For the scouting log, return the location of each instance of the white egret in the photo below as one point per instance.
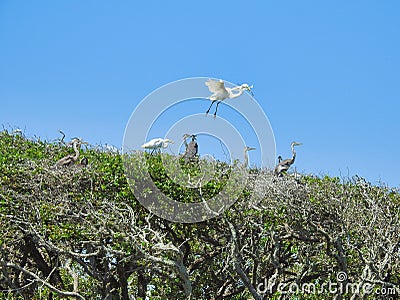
(284, 165)
(157, 144)
(71, 159)
(220, 92)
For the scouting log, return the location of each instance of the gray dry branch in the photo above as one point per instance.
(318, 228)
(80, 233)
(93, 254)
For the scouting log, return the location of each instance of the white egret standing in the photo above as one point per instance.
(157, 144)
(220, 92)
(284, 165)
(246, 156)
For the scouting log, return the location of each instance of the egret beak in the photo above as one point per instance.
(251, 148)
(250, 91)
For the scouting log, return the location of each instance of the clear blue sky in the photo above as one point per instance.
(326, 73)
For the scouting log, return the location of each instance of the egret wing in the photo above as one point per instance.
(215, 86)
(152, 143)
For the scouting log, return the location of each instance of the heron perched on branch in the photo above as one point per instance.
(191, 149)
(246, 155)
(71, 159)
(284, 165)
(220, 92)
(157, 144)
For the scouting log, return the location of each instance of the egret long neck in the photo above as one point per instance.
(238, 94)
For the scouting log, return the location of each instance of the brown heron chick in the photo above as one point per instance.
(71, 159)
(192, 148)
(284, 165)
(84, 162)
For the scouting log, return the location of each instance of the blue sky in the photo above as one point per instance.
(325, 73)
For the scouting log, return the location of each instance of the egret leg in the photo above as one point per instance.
(216, 109)
(208, 110)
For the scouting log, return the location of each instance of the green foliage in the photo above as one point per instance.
(296, 224)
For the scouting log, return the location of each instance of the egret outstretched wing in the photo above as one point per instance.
(157, 143)
(216, 86)
(220, 92)
(154, 143)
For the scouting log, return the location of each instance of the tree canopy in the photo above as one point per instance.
(79, 233)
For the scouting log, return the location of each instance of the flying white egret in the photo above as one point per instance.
(71, 159)
(192, 149)
(284, 165)
(246, 156)
(157, 143)
(220, 92)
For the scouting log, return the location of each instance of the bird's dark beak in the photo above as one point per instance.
(250, 91)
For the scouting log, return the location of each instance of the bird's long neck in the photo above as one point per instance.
(246, 158)
(293, 154)
(185, 143)
(76, 149)
(238, 94)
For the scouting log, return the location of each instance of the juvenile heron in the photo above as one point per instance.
(192, 149)
(284, 165)
(157, 144)
(84, 162)
(246, 155)
(220, 92)
(71, 159)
